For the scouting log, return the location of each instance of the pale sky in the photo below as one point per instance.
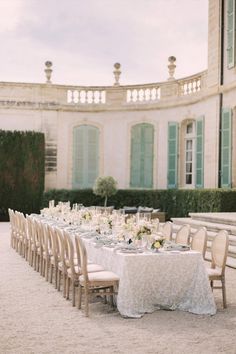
(84, 38)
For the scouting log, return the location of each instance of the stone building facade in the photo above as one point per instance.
(174, 134)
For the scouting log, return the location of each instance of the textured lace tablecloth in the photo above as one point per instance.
(151, 281)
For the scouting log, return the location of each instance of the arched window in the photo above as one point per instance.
(85, 156)
(141, 166)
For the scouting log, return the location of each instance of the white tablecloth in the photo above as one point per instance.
(150, 281)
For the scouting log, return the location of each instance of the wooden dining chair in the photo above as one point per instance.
(74, 269)
(40, 246)
(166, 230)
(219, 251)
(55, 256)
(104, 283)
(199, 241)
(31, 236)
(63, 259)
(12, 219)
(183, 234)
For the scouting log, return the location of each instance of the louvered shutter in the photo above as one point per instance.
(141, 174)
(85, 156)
(230, 33)
(200, 152)
(172, 155)
(226, 148)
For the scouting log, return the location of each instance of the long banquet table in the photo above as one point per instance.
(151, 281)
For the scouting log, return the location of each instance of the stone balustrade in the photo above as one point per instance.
(50, 96)
(192, 84)
(86, 96)
(143, 93)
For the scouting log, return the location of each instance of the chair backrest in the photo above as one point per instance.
(12, 218)
(199, 241)
(61, 244)
(83, 257)
(29, 228)
(54, 243)
(167, 230)
(77, 250)
(45, 237)
(219, 250)
(182, 235)
(23, 225)
(71, 251)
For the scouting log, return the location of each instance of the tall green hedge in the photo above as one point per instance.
(176, 203)
(22, 156)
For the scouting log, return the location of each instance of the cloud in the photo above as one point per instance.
(85, 38)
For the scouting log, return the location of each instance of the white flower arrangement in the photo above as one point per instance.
(158, 242)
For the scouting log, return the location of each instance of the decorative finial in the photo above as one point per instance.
(117, 73)
(171, 67)
(48, 71)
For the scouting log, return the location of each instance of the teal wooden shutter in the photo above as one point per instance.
(135, 156)
(226, 148)
(147, 170)
(141, 174)
(78, 160)
(172, 155)
(85, 156)
(230, 33)
(200, 152)
(93, 155)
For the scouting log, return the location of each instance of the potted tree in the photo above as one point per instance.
(105, 186)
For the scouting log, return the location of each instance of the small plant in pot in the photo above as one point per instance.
(105, 186)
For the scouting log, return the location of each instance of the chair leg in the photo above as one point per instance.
(56, 276)
(79, 296)
(59, 280)
(73, 293)
(86, 301)
(224, 293)
(51, 268)
(46, 269)
(67, 288)
(64, 284)
(111, 297)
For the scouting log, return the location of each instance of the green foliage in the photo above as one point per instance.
(21, 171)
(176, 203)
(105, 187)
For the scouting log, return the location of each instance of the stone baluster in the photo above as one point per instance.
(99, 96)
(199, 84)
(131, 96)
(93, 96)
(72, 96)
(138, 95)
(86, 96)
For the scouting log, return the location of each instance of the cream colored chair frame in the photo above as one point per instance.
(219, 251)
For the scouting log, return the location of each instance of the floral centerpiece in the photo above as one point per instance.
(86, 215)
(141, 231)
(157, 242)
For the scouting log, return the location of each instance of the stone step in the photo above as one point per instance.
(210, 234)
(231, 261)
(218, 218)
(212, 230)
(196, 223)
